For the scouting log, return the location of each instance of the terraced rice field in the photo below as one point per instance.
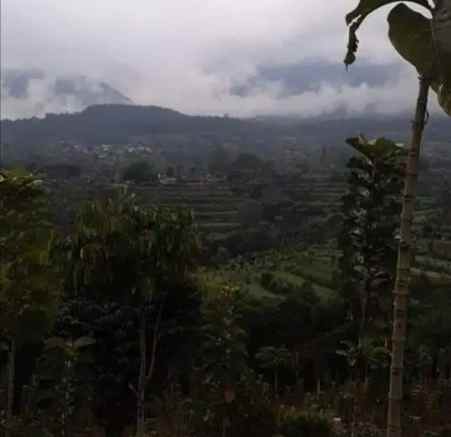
(215, 206)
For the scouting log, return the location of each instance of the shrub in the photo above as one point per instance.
(293, 423)
(139, 172)
(365, 429)
(266, 278)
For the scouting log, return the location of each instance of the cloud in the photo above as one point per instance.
(189, 54)
(311, 75)
(28, 93)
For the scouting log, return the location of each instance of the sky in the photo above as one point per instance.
(190, 55)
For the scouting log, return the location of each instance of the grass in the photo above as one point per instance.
(324, 293)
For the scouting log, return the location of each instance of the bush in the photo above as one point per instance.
(294, 423)
(250, 213)
(139, 172)
(248, 413)
(266, 278)
(365, 429)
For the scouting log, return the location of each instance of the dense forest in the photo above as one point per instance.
(170, 275)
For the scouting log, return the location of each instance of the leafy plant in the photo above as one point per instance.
(423, 42)
(139, 172)
(294, 423)
(29, 283)
(426, 44)
(133, 260)
(275, 359)
(371, 210)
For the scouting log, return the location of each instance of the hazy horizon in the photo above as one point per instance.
(258, 58)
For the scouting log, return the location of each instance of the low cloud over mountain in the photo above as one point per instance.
(27, 93)
(244, 58)
(311, 76)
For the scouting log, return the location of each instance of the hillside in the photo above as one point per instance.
(118, 124)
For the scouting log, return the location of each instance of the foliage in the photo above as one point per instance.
(371, 219)
(249, 412)
(128, 276)
(247, 168)
(28, 281)
(219, 161)
(62, 383)
(294, 423)
(371, 351)
(275, 359)
(421, 41)
(139, 172)
(224, 349)
(130, 245)
(250, 213)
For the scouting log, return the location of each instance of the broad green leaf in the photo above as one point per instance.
(442, 39)
(356, 17)
(366, 7)
(444, 98)
(380, 148)
(412, 37)
(424, 43)
(442, 29)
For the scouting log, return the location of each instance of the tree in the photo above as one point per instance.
(219, 161)
(137, 259)
(170, 172)
(250, 213)
(61, 380)
(28, 281)
(247, 167)
(426, 44)
(370, 225)
(275, 359)
(224, 351)
(139, 172)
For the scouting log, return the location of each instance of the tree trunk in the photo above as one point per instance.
(401, 289)
(141, 391)
(11, 379)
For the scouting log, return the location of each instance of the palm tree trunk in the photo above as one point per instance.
(401, 289)
(11, 378)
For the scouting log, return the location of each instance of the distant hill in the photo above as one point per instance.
(120, 124)
(114, 124)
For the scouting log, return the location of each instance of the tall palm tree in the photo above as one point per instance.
(425, 43)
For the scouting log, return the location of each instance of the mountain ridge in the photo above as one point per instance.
(119, 123)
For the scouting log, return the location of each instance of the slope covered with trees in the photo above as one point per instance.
(216, 277)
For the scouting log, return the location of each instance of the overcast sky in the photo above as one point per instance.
(189, 54)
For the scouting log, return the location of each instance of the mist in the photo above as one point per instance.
(191, 55)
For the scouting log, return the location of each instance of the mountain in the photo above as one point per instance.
(121, 124)
(28, 93)
(114, 124)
